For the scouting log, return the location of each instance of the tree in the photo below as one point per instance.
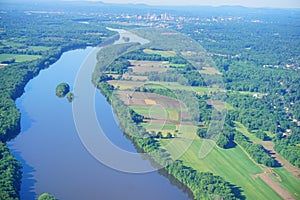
(169, 135)
(201, 132)
(70, 96)
(137, 118)
(261, 135)
(222, 141)
(46, 196)
(159, 134)
(62, 89)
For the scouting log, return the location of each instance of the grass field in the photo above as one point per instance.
(125, 85)
(231, 164)
(38, 48)
(18, 57)
(288, 181)
(150, 111)
(159, 127)
(177, 86)
(168, 113)
(173, 114)
(162, 53)
(240, 127)
(142, 67)
(14, 44)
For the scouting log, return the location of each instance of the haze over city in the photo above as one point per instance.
(253, 3)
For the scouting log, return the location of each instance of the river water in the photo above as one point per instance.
(55, 160)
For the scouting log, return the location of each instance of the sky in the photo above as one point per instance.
(246, 3)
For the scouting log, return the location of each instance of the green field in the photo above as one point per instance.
(162, 53)
(241, 128)
(18, 57)
(231, 164)
(148, 111)
(177, 86)
(159, 127)
(38, 48)
(173, 114)
(14, 44)
(288, 181)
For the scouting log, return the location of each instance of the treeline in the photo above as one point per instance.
(10, 174)
(189, 78)
(205, 185)
(256, 151)
(137, 118)
(141, 55)
(288, 148)
(226, 137)
(119, 66)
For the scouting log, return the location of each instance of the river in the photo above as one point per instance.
(53, 156)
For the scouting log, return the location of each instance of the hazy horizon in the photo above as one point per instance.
(253, 3)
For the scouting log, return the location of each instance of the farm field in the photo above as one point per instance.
(18, 57)
(131, 84)
(288, 181)
(240, 127)
(141, 67)
(232, 164)
(38, 48)
(159, 52)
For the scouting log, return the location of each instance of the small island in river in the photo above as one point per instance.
(62, 90)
